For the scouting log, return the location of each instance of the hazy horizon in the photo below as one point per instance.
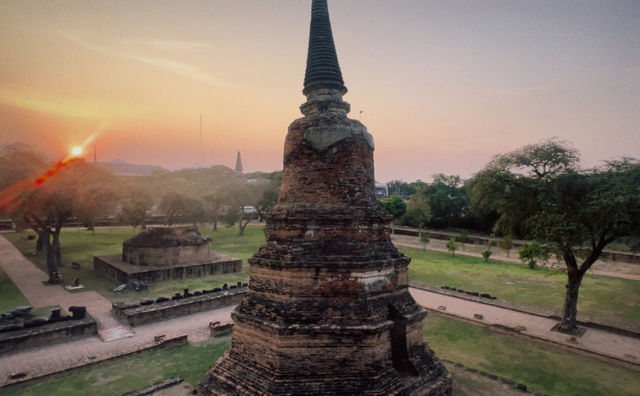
(441, 85)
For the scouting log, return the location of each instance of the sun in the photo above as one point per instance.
(76, 151)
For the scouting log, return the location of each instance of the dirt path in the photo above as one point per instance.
(601, 342)
(29, 279)
(601, 267)
(60, 357)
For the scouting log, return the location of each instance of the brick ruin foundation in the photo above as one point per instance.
(165, 253)
(328, 311)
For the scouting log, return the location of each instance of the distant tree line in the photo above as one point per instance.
(445, 203)
(39, 193)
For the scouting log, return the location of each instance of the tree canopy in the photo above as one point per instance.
(540, 192)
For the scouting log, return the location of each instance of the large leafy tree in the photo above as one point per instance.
(418, 212)
(401, 188)
(447, 200)
(395, 206)
(134, 207)
(45, 199)
(540, 192)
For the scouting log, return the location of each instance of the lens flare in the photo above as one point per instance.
(11, 196)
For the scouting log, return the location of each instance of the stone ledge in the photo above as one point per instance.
(62, 331)
(142, 314)
(114, 268)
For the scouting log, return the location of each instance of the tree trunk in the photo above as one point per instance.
(215, 223)
(55, 245)
(39, 244)
(52, 269)
(242, 226)
(570, 309)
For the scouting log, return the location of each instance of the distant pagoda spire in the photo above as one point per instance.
(239, 163)
(323, 70)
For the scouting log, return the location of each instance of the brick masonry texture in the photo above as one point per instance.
(63, 331)
(328, 310)
(136, 315)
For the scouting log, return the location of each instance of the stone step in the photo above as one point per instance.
(116, 333)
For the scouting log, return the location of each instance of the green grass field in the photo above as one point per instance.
(10, 295)
(542, 368)
(603, 299)
(118, 376)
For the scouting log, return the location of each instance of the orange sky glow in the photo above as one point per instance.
(441, 85)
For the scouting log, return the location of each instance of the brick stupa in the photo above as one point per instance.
(328, 311)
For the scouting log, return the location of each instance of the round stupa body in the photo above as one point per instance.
(328, 310)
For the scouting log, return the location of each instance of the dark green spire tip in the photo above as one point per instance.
(323, 70)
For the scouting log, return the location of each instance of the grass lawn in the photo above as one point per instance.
(605, 299)
(80, 245)
(10, 295)
(542, 368)
(118, 376)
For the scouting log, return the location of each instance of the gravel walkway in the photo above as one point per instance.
(600, 342)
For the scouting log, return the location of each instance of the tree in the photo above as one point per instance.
(424, 238)
(452, 246)
(400, 188)
(45, 202)
(486, 254)
(417, 213)
(540, 193)
(531, 253)
(463, 237)
(98, 198)
(231, 216)
(447, 201)
(395, 206)
(172, 205)
(240, 194)
(506, 244)
(134, 207)
(213, 203)
(268, 196)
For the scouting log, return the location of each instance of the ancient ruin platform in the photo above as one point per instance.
(138, 314)
(115, 268)
(46, 334)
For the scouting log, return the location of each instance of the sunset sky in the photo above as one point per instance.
(442, 85)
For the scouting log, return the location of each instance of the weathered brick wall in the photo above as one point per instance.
(142, 314)
(165, 256)
(109, 267)
(328, 310)
(51, 333)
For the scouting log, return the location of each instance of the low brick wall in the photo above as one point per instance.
(136, 315)
(50, 333)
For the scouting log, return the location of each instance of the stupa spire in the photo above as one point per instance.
(323, 70)
(239, 167)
